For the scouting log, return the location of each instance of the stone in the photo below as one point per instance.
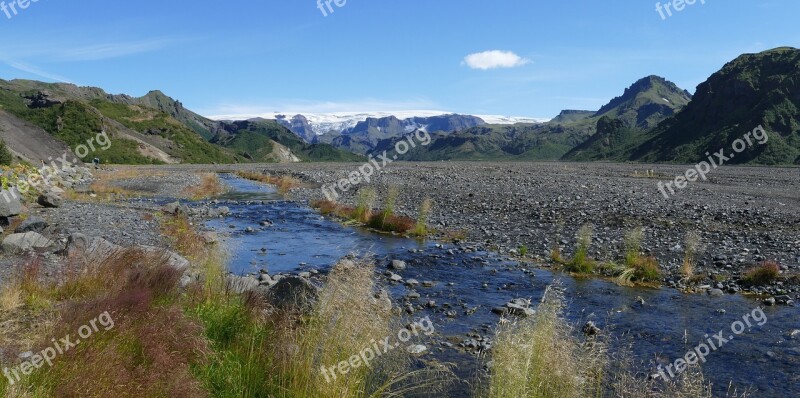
(18, 243)
(32, 224)
(293, 293)
(397, 265)
(10, 203)
(175, 208)
(49, 200)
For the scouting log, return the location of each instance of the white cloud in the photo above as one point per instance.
(494, 59)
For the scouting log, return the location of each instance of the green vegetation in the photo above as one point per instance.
(638, 268)
(581, 263)
(421, 228)
(366, 200)
(5, 156)
(764, 274)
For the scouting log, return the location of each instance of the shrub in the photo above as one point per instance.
(523, 251)
(392, 223)
(691, 242)
(766, 273)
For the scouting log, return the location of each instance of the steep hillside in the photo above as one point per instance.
(138, 133)
(752, 90)
(643, 104)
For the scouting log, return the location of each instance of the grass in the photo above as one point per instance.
(366, 200)
(284, 183)
(638, 268)
(538, 357)
(691, 242)
(764, 274)
(421, 228)
(382, 220)
(581, 263)
(210, 186)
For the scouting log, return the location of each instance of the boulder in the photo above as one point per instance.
(49, 200)
(293, 293)
(10, 203)
(80, 245)
(175, 208)
(32, 224)
(18, 243)
(241, 284)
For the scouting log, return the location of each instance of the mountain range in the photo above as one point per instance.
(653, 120)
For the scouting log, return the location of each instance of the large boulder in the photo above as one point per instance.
(80, 245)
(10, 203)
(49, 200)
(32, 224)
(293, 293)
(19, 243)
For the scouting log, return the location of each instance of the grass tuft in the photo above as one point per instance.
(764, 274)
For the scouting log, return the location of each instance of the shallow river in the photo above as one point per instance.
(763, 358)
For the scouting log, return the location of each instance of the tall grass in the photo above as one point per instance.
(421, 229)
(366, 201)
(209, 187)
(283, 183)
(691, 243)
(581, 262)
(638, 268)
(538, 357)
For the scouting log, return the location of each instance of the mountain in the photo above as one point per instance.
(752, 90)
(268, 141)
(364, 136)
(642, 105)
(299, 125)
(74, 115)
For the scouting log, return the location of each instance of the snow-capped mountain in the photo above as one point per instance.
(322, 123)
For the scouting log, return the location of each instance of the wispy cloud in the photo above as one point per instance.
(54, 51)
(494, 59)
(33, 70)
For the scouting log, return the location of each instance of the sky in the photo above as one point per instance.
(519, 58)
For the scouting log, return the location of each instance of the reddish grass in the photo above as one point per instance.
(284, 183)
(766, 273)
(391, 223)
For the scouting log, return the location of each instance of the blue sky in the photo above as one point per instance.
(263, 56)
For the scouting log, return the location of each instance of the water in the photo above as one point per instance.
(763, 358)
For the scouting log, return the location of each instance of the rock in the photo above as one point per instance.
(590, 329)
(395, 278)
(293, 293)
(10, 204)
(428, 283)
(716, 293)
(18, 243)
(80, 245)
(32, 224)
(49, 200)
(397, 265)
(172, 259)
(416, 349)
(412, 283)
(770, 301)
(210, 238)
(241, 284)
(175, 208)
(219, 212)
(784, 300)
